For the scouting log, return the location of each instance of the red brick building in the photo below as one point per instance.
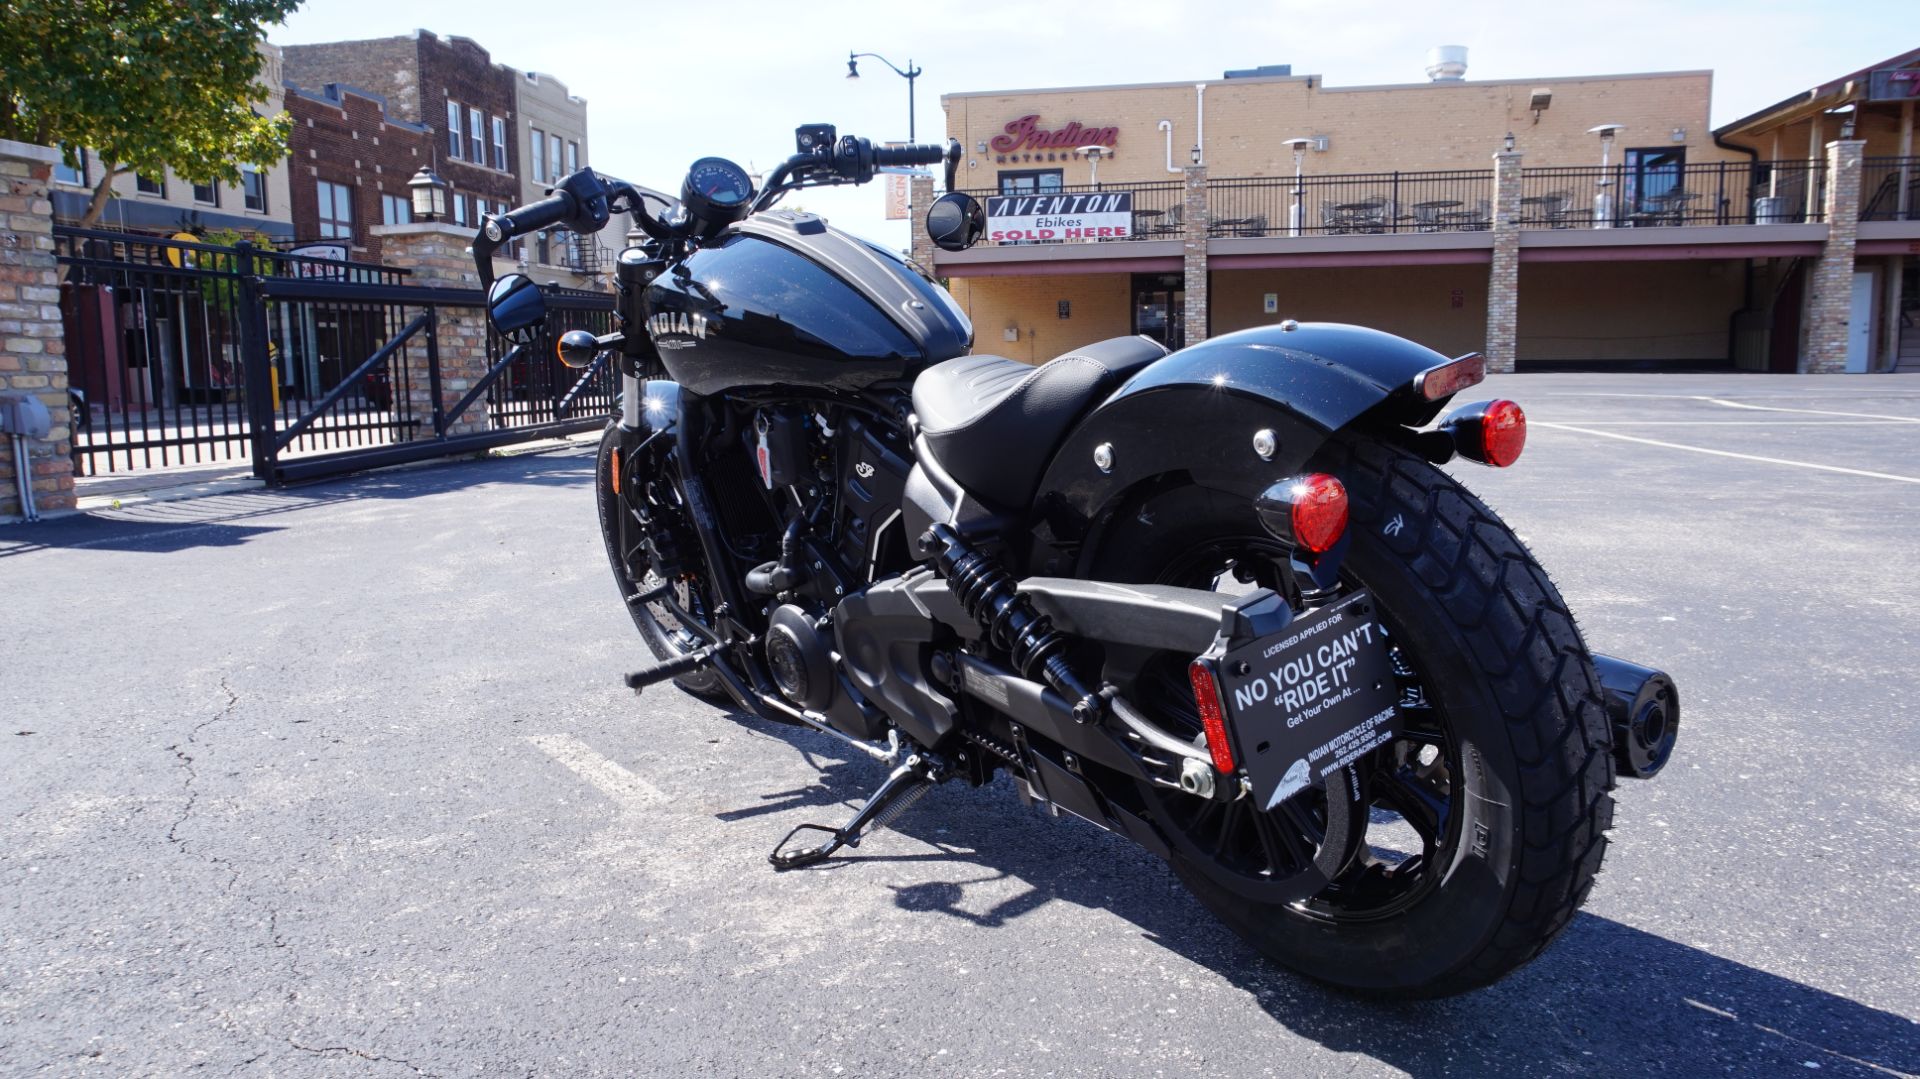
(349, 163)
(451, 89)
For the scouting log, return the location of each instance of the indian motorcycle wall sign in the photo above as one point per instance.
(1096, 215)
(1027, 134)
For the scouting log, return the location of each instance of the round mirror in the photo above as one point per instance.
(516, 307)
(956, 221)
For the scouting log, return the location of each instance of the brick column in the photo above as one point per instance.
(1830, 295)
(1195, 254)
(436, 253)
(1503, 282)
(919, 198)
(33, 348)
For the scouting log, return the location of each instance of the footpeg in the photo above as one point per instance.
(902, 788)
(673, 668)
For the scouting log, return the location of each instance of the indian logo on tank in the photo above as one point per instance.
(670, 329)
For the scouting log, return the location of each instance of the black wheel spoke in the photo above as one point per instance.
(1417, 803)
(1276, 828)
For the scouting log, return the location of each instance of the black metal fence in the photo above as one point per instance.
(1352, 203)
(1890, 189)
(1704, 193)
(183, 354)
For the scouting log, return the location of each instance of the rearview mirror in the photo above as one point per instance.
(956, 221)
(516, 308)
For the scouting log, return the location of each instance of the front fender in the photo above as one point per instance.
(1190, 418)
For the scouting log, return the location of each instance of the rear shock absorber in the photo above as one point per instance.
(992, 598)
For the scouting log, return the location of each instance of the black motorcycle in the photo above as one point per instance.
(1219, 601)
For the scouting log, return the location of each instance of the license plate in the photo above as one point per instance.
(1311, 699)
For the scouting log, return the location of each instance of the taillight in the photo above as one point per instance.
(1436, 383)
(1206, 694)
(1308, 511)
(1490, 432)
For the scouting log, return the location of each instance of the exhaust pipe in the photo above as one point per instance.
(1644, 708)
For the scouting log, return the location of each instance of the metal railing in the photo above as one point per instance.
(184, 353)
(1890, 189)
(1705, 193)
(1352, 203)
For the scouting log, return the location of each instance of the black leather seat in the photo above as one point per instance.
(993, 423)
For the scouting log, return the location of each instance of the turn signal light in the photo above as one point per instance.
(1490, 432)
(1308, 511)
(1206, 694)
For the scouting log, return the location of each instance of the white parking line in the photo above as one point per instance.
(1729, 453)
(1811, 411)
(610, 779)
(1736, 423)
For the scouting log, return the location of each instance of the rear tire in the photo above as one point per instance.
(1526, 763)
(663, 642)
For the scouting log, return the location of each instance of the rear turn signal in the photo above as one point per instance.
(1206, 694)
(1308, 511)
(1490, 432)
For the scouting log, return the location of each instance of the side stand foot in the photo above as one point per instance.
(903, 786)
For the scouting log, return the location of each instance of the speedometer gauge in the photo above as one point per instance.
(716, 194)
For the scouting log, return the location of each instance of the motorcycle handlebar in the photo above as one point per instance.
(923, 154)
(534, 216)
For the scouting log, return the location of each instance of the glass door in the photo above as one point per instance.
(1159, 308)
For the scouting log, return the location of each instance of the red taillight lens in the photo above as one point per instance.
(1206, 694)
(1307, 511)
(1490, 432)
(1503, 433)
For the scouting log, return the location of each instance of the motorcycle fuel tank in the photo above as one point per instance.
(783, 300)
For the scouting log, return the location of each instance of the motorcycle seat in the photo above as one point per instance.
(993, 423)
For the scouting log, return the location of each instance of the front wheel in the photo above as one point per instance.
(1479, 830)
(623, 529)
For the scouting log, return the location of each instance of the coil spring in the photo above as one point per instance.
(991, 597)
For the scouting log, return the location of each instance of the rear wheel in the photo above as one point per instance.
(624, 530)
(1478, 831)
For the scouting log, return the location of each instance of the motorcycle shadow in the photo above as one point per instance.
(1607, 998)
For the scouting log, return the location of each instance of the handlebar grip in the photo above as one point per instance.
(923, 154)
(533, 217)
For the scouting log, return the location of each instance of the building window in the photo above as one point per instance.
(1653, 177)
(500, 143)
(395, 210)
(148, 185)
(573, 157)
(539, 156)
(71, 174)
(336, 211)
(254, 187)
(553, 157)
(1030, 182)
(477, 129)
(207, 193)
(459, 208)
(453, 128)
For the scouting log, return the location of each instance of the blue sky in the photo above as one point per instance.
(667, 83)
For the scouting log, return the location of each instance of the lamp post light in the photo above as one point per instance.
(1603, 198)
(1094, 153)
(1295, 212)
(429, 193)
(910, 74)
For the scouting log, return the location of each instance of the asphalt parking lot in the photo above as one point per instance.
(342, 780)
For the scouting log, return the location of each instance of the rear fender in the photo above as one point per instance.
(1191, 419)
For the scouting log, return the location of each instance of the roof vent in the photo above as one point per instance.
(1447, 63)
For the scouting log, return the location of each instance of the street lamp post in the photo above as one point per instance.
(1603, 199)
(1294, 212)
(429, 194)
(910, 74)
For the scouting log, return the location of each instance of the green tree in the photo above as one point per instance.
(146, 84)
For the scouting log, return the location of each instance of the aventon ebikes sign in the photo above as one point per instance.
(1093, 215)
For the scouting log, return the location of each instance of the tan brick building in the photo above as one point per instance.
(1631, 233)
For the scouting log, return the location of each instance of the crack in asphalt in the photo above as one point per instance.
(327, 1050)
(193, 776)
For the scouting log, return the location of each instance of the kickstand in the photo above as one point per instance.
(902, 788)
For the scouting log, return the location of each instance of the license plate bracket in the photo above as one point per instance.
(1312, 698)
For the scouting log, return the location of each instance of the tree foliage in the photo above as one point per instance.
(145, 84)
